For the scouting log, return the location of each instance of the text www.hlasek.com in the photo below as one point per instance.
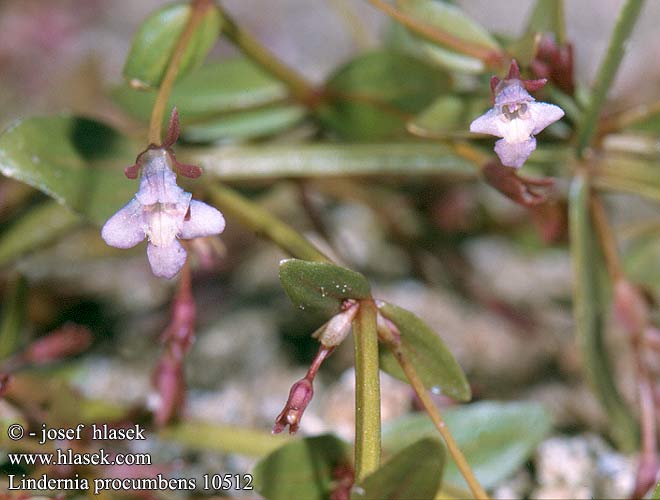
(68, 457)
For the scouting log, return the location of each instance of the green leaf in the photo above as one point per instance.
(228, 86)
(588, 309)
(496, 438)
(245, 124)
(606, 72)
(154, 43)
(12, 315)
(640, 259)
(76, 161)
(435, 365)
(373, 95)
(325, 160)
(204, 436)
(449, 19)
(449, 115)
(38, 227)
(548, 17)
(301, 469)
(320, 286)
(404, 475)
(656, 492)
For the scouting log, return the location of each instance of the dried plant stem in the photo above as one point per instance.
(486, 54)
(367, 392)
(199, 8)
(456, 453)
(302, 90)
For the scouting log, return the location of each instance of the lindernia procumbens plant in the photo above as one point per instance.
(161, 211)
(516, 117)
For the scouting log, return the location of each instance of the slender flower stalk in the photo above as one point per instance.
(389, 334)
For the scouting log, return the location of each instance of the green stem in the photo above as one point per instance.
(263, 222)
(607, 71)
(327, 160)
(588, 309)
(367, 392)
(302, 90)
(440, 424)
(199, 8)
(561, 22)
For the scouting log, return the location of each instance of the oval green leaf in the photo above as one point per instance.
(449, 19)
(157, 37)
(76, 161)
(301, 469)
(449, 115)
(404, 475)
(435, 365)
(228, 86)
(244, 125)
(373, 95)
(38, 227)
(496, 438)
(321, 287)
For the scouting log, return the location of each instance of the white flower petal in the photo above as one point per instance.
(543, 114)
(516, 130)
(514, 154)
(204, 221)
(488, 123)
(126, 228)
(165, 221)
(166, 261)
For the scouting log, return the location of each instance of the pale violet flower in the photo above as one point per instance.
(162, 212)
(516, 117)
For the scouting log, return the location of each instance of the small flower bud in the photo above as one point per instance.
(300, 395)
(67, 341)
(630, 307)
(338, 327)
